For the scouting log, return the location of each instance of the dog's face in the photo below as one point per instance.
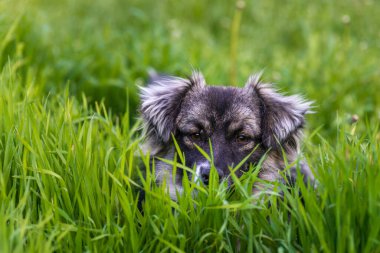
(235, 122)
(228, 118)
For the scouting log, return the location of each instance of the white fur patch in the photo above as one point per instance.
(197, 176)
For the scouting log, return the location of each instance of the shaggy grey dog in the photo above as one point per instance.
(254, 122)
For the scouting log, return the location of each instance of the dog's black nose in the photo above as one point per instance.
(205, 174)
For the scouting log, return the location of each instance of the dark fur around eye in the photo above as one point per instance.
(242, 138)
(197, 136)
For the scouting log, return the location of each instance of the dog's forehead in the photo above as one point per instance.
(220, 104)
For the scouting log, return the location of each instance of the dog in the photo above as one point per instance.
(253, 123)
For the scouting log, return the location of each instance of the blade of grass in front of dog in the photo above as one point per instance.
(179, 151)
(211, 151)
(204, 153)
(172, 163)
(234, 177)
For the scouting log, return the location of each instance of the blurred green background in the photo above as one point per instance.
(327, 50)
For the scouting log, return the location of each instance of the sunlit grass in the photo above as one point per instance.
(71, 181)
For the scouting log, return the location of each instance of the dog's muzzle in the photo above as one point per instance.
(203, 173)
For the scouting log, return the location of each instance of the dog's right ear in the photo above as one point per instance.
(282, 116)
(161, 102)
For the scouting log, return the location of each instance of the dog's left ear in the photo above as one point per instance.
(161, 101)
(282, 116)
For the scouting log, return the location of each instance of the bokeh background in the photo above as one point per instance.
(327, 50)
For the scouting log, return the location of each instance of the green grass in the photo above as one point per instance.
(69, 142)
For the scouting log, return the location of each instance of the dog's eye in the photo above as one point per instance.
(243, 138)
(197, 136)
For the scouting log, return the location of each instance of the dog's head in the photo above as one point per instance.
(238, 122)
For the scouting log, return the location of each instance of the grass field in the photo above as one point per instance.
(70, 170)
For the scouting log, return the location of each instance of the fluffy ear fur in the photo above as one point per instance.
(282, 116)
(161, 102)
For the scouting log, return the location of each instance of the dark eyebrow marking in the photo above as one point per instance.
(193, 125)
(235, 126)
(246, 126)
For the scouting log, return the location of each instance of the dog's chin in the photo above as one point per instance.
(164, 175)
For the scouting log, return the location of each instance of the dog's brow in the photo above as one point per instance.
(192, 125)
(235, 126)
(247, 126)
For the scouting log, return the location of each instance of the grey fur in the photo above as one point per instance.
(160, 103)
(236, 120)
(283, 115)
